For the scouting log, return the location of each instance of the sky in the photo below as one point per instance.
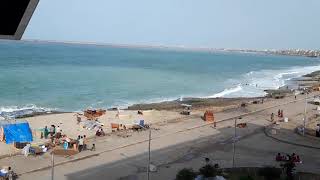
(250, 24)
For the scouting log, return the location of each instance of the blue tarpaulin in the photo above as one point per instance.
(17, 132)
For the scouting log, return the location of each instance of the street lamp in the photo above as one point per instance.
(305, 114)
(149, 154)
(149, 149)
(234, 141)
(52, 166)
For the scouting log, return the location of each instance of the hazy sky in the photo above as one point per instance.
(193, 23)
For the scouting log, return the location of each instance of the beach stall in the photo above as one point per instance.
(135, 125)
(208, 116)
(15, 132)
(93, 114)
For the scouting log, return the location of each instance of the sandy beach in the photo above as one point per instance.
(165, 120)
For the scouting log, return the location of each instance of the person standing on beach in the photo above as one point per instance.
(80, 147)
(58, 129)
(51, 131)
(85, 142)
(10, 173)
(54, 129)
(78, 119)
(46, 132)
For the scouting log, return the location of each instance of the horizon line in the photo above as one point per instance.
(173, 47)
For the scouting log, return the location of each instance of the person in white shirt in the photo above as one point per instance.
(58, 129)
(80, 144)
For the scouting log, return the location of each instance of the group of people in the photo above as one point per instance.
(280, 113)
(290, 158)
(57, 138)
(79, 144)
(82, 143)
(100, 132)
(53, 131)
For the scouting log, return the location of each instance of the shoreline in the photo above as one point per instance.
(200, 103)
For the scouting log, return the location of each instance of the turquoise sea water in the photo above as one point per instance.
(69, 77)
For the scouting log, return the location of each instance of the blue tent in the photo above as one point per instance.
(17, 131)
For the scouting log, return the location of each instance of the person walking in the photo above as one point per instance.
(85, 142)
(80, 147)
(272, 117)
(10, 174)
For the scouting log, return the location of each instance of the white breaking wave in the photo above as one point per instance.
(227, 92)
(14, 111)
(253, 83)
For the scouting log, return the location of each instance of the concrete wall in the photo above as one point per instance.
(24, 22)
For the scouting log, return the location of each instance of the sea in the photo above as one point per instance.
(47, 76)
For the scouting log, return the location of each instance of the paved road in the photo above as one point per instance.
(253, 149)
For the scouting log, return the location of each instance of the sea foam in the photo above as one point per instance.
(15, 111)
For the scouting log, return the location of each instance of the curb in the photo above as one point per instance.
(307, 135)
(287, 142)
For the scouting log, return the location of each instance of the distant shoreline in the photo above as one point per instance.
(312, 53)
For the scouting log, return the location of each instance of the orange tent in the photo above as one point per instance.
(208, 116)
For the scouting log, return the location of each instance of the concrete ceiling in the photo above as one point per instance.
(15, 16)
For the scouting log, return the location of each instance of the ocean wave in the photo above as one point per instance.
(15, 111)
(227, 91)
(250, 84)
(253, 83)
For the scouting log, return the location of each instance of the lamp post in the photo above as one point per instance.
(52, 166)
(305, 114)
(149, 152)
(234, 141)
(148, 170)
